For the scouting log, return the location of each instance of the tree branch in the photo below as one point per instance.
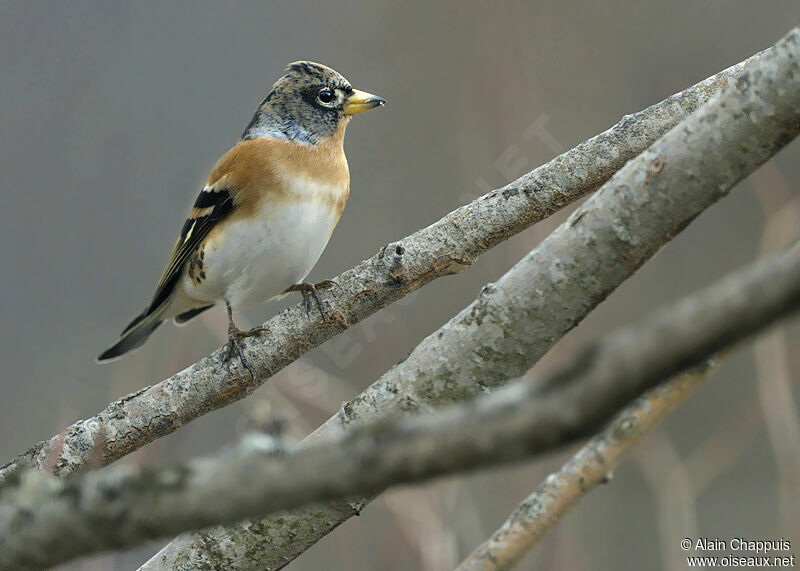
(516, 320)
(443, 248)
(592, 465)
(46, 520)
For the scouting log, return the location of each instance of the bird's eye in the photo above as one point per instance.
(325, 96)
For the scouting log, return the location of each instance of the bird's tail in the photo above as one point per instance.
(135, 334)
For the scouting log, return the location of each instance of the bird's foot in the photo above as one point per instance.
(254, 332)
(309, 293)
(234, 346)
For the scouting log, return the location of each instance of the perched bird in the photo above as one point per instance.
(267, 210)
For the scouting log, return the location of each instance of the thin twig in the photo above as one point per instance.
(591, 466)
(776, 395)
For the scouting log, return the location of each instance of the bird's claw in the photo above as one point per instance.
(309, 293)
(234, 346)
(327, 283)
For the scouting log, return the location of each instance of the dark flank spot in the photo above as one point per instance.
(188, 245)
(195, 267)
(400, 250)
(202, 254)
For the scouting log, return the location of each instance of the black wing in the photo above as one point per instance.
(210, 207)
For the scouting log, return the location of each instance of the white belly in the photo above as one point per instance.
(255, 260)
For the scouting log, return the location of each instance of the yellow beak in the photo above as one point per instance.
(360, 101)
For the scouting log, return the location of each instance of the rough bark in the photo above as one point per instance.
(592, 465)
(46, 520)
(516, 320)
(399, 268)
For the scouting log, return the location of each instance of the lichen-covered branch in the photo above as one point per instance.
(516, 320)
(592, 465)
(46, 520)
(443, 248)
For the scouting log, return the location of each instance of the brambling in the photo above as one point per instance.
(267, 210)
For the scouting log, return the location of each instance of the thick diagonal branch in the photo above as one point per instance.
(516, 320)
(46, 520)
(443, 248)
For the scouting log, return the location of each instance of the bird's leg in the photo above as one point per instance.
(234, 331)
(309, 293)
(235, 336)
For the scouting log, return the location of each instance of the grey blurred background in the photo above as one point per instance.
(111, 115)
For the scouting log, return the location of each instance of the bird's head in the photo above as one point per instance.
(311, 102)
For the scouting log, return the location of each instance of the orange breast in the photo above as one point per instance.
(257, 167)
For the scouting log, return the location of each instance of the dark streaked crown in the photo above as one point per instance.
(304, 106)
